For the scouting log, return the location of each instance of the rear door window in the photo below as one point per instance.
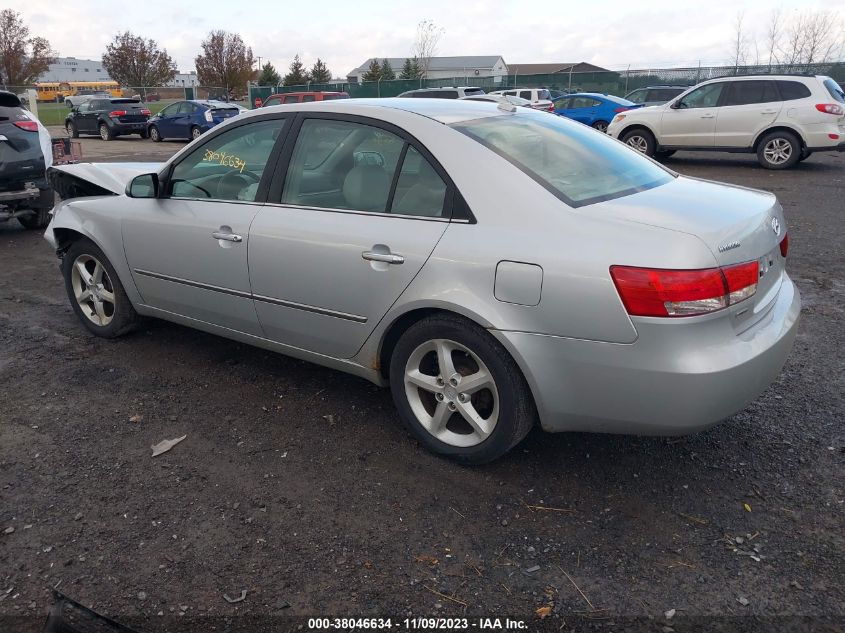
(306, 98)
(419, 190)
(791, 90)
(291, 99)
(525, 94)
(544, 94)
(751, 92)
(662, 94)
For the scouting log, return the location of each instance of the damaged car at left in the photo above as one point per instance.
(25, 155)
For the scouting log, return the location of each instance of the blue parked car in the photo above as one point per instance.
(189, 119)
(592, 108)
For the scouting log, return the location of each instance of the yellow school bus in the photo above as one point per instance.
(52, 90)
(57, 90)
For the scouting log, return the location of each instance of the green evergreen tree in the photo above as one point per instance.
(269, 76)
(373, 72)
(387, 72)
(416, 68)
(407, 70)
(297, 76)
(320, 74)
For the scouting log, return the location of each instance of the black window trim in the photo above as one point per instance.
(452, 212)
(269, 167)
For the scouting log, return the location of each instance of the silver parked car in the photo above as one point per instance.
(494, 265)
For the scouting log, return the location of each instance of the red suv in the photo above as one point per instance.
(302, 97)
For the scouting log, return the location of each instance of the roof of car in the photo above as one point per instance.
(446, 111)
(662, 86)
(308, 92)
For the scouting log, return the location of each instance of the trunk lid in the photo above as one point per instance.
(737, 224)
(21, 157)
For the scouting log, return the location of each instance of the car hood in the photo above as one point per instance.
(113, 177)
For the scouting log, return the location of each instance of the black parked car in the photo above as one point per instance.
(24, 192)
(108, 118)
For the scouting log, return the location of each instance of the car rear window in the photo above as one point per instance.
(333, 97)
(544, 94)
(473, 91)
(224, 112)
(790, 90)
(834, 90)
(9, 100)
(569, 159)
(135, 101)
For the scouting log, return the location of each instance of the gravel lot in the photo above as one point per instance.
(297, 483)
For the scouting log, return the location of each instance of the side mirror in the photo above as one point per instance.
(678, 105)
(143, 186)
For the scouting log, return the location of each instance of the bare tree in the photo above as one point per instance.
(425, 44)
(812, 37)
(773, 34)
(739, 55)
(22, 58)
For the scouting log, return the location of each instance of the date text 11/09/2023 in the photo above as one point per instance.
(416, 624)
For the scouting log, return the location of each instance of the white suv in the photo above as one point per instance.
(781, 118)
(540, 98)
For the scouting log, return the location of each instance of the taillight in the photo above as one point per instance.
(117, 113)
(29, 126)
(830, 108)
(784, 245)
(659, 292)
(208, 116)
(146, 112)
(618, 110)
(551, 107)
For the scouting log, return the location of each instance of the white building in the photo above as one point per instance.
(183, 80)
(73, 69)
(465, 67)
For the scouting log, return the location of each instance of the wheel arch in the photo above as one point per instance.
(778, 128)
(637, 126)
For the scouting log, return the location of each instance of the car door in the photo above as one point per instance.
(165, 121)
(690, 121)
(88, 116)
(748, 107)
(187, 249)
(182, 121)
(344, 238)
(580, 109)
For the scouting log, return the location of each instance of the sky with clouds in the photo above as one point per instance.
(610, 33)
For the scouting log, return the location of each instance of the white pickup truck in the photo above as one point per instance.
(83, 96)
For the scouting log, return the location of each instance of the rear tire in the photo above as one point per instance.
(143, 134)
(641, 140)
(72, 132)
(437, 409)
(155, 135)
(105, 132)
(664, 153)
(105, 310)
(779, 150)
(601, 126)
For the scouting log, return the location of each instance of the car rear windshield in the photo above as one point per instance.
(835, 90)
(224, 112)
(577, 164)
(135, 101)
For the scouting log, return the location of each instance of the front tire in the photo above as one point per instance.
(779, 150)
(95, 292)
(72, 132)
(458, 390)
(105, 132)
(641, 140)
(155, 135)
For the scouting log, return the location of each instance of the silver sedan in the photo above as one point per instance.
(495, 266)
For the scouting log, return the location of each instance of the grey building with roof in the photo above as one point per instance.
(467, 67)
(73, 69)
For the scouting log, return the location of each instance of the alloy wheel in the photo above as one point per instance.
(104, 132)
(638, 142)
(93, 290)
(778, 151)
(601, 126)
(196, 133)
(451, 392)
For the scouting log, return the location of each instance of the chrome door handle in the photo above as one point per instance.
(387, 258)
(229, 237)
(769, 112)
(707, 116)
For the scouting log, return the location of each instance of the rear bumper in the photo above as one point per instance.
(829, 148)
(673, 380)
(128, 128)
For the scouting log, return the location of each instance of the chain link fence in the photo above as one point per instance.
(617, 83)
